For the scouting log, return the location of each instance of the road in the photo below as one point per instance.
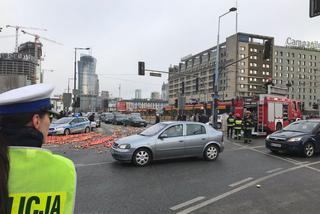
(244, 179)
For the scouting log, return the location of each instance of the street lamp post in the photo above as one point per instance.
(216, 72)
(75, 74)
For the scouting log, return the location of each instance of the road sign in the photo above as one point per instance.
(153, 74)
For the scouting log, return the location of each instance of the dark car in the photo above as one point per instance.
(301, 137)
(120, 119)
(107, 117)
(137, 121)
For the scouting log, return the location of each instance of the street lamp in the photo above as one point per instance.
(75, 73)
(216, 72)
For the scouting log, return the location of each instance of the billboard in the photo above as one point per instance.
(121, 106)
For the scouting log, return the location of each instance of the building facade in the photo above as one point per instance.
(165, 91)
(137, 94)
(143, 104)
(155, 95)
(298, 69)
(16, 70)
(88, 83)
(244, 78)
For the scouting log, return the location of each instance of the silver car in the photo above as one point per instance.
(172, 139)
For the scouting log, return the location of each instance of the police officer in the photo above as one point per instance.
(230, 125)
(247, 127)
(31, 179)
(237, 127)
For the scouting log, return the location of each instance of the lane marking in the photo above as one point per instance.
(240, 182)
(238, 189)
(179, 206)
(274, 170)
(91, 164)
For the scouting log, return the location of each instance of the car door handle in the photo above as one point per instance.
(181, 141)
(203, 139)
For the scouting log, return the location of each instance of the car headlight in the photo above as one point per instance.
(294, 139)
(124, 146)
(267, 138)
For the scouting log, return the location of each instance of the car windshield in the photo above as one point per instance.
(63, 120)
(301, 126)
(153, 129)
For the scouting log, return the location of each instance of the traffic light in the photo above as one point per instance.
(314, 8)
(197, 84)
(267, 49)
(141, 68)
(176, 103)
(182, 88)
(77, 102)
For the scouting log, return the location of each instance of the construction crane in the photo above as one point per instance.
(36, 41)
(17, 32)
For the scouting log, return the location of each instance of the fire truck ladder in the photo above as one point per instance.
(260, 124)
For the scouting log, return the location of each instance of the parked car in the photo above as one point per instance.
(135, 114)
(69, 125)
(107, 117)
(172, 139)
(301, 137)
(120, 119)
(137, 121)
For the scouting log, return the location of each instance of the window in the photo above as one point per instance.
(255, 72)
(255, 79)
(300, 56)
(263, 80)
(174, 131)
(276, 60)
(288, 54)
(242, 56)
(242, 63)
(276, 53)
(267, 73)
(250, 79)
(280, 68)
(242, 48)
(251, 49)
(280, 74)
(267, 66)
(303, 56)
(275, 74)
(195, 129)
(242, 78)
(241, 86)
(299, 62)
(310, 57)
(280, 60)
(292, 54)
(250, 71)
(250, 86)
(242, 71)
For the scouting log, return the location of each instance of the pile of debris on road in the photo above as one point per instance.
(92, 139)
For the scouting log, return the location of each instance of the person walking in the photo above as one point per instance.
(30, 175)
(237, 127)
(230, 125)
(247, 127)
(157, 119)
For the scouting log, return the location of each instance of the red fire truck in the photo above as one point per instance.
(269, 112)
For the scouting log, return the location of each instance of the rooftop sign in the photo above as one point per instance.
(302, 44)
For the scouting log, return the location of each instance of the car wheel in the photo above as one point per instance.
(142, 157)
(66, 131)
(211, 152)
(308, 150)
(87, 130)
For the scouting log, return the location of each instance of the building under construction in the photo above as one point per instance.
(16, 70)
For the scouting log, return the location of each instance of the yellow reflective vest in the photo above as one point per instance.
(40, 182)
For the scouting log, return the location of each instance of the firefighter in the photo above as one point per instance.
(237, 127)
(247, 127)
(230, 124)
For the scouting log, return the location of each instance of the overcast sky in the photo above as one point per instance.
(122, 32)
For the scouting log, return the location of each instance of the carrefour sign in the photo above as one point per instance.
(302, 44)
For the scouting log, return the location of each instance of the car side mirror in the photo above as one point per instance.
(162, 136)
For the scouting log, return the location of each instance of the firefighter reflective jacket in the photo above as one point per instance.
(238, 124)
(230, 121)
(40, 182)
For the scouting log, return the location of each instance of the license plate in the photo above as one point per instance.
(275, 145)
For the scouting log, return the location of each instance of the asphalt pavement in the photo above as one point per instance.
(244, 179)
